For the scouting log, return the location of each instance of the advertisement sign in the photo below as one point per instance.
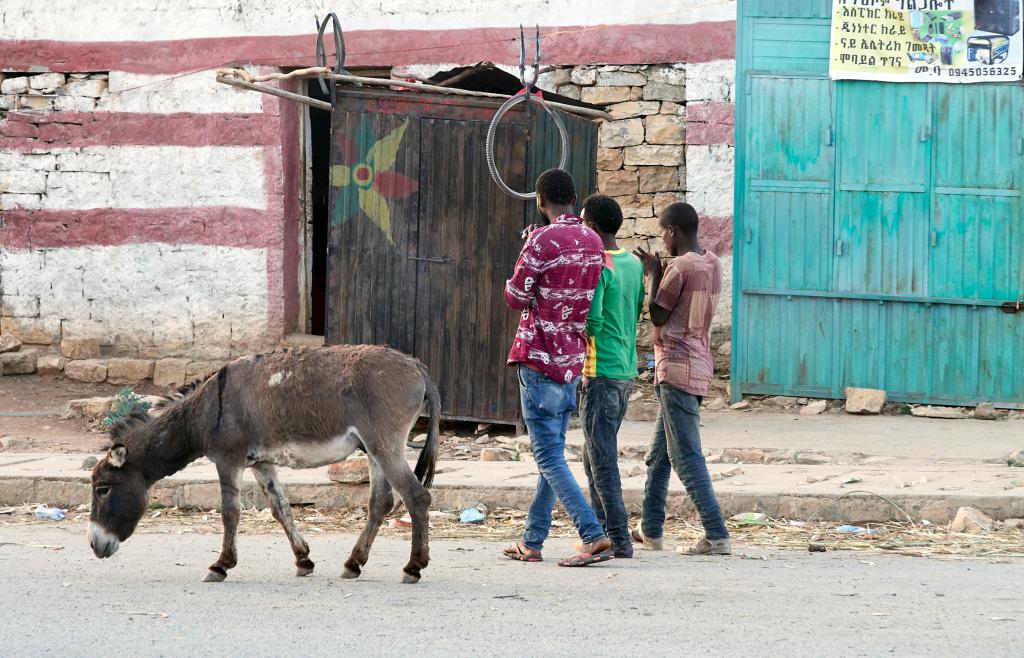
(927, 40)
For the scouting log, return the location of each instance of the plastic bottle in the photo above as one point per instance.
(51, 513)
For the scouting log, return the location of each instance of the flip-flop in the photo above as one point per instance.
(587, 559)
(519, 552)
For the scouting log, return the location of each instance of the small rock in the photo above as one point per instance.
(812, 459)
(484, 440)
(718, 404)
(636, 395)
(631, 472)
(864, 401)
(9, 343)
(18, 363)
(88, 408)
(497, 455)
(482, 428)
(50, 365)
(780, 401)
(1014, 524)
(985, 411)
(971, 519)
(640, 410)
(351, 471)
(645, 376)
(571, 456)
(89, 463)
(814, 479)
(725, 349)
(80, 348)
(732, 472)
(443, 517)
(12, 444)
(941, 413)
(1015, 459)
(522, 444)
(814, 408)
(740, 406)
(716, 457)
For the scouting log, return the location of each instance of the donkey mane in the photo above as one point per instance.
(127, 423)
(178, 394)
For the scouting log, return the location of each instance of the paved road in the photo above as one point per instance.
(471, 602)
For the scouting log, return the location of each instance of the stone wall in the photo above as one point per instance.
(670, 139)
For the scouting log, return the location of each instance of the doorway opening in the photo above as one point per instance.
(320, 165)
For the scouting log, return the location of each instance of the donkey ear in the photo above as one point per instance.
(117, 456)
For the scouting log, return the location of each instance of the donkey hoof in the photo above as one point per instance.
(215, 576)
(348, 574)
(409, 579)
(303, 571)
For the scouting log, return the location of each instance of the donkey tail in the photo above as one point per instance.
(428, 457)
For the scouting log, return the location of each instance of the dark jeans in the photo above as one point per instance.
(547, 406)
(676, 445)
(604, 406)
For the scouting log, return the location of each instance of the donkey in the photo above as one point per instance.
(297, 408)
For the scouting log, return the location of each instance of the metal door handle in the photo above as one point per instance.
(934, 240)
(829, 136)
(748, 236)
(839, 247)
(1012, 308)
(926, 133)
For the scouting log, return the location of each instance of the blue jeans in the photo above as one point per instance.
(604, 406)
(547, 406)
(676, 445)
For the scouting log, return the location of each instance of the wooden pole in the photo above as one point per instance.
(274, 91)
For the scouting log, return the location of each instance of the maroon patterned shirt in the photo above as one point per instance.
(553, 285)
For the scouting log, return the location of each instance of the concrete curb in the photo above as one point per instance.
(69, 492)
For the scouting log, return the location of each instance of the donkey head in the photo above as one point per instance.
(119, 497)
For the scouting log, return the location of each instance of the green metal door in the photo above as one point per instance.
(879, 225)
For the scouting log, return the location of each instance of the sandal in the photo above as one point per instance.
(522, 553)
(592, 553)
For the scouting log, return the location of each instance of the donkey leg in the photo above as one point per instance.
(417, 501)
(381, 502)
(266, 476)
(229, 512)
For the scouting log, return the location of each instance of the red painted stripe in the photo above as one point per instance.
(34, 130)
(715, 234)
(710, 123)
(619, 44)
(213, 226)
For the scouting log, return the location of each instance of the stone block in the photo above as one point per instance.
(562, 76)
(971, 520)
(497, 455)
(617, 183)
(17, 85)
(129, 371)
(616, 134)
(89, 370)
(665, 129)
(609, 159)
(170, 373)
(80, 348)
(631, 109)
(661, 91)
(667, 74)
(660, 155)
(636, 205)
(97, 407)
(351, 471)
(18, 363)
(647, 226)
(583, 75)
(606, 95)
(984, 411)
(35, 103)
(620, 79)
(74, 104)
(33, 331)
(201, 369)
(668, 107)
(569, 91)
(23, 182)
(50, 365)
(864, 401)
(91, 88)
(9, 344)
(47, 81)
(663, 200)
(940, 413)
(659, 179)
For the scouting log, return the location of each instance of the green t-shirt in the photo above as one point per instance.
(611, 322)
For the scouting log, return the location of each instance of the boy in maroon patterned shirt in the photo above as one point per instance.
(552, 286)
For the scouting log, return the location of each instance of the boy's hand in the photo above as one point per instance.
(652, 263)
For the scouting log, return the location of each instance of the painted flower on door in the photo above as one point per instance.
(364, 176)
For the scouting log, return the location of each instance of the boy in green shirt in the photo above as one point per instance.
(610, 368)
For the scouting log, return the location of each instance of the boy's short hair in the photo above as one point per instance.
(603, 212)
(682, 216)
(557, 187)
